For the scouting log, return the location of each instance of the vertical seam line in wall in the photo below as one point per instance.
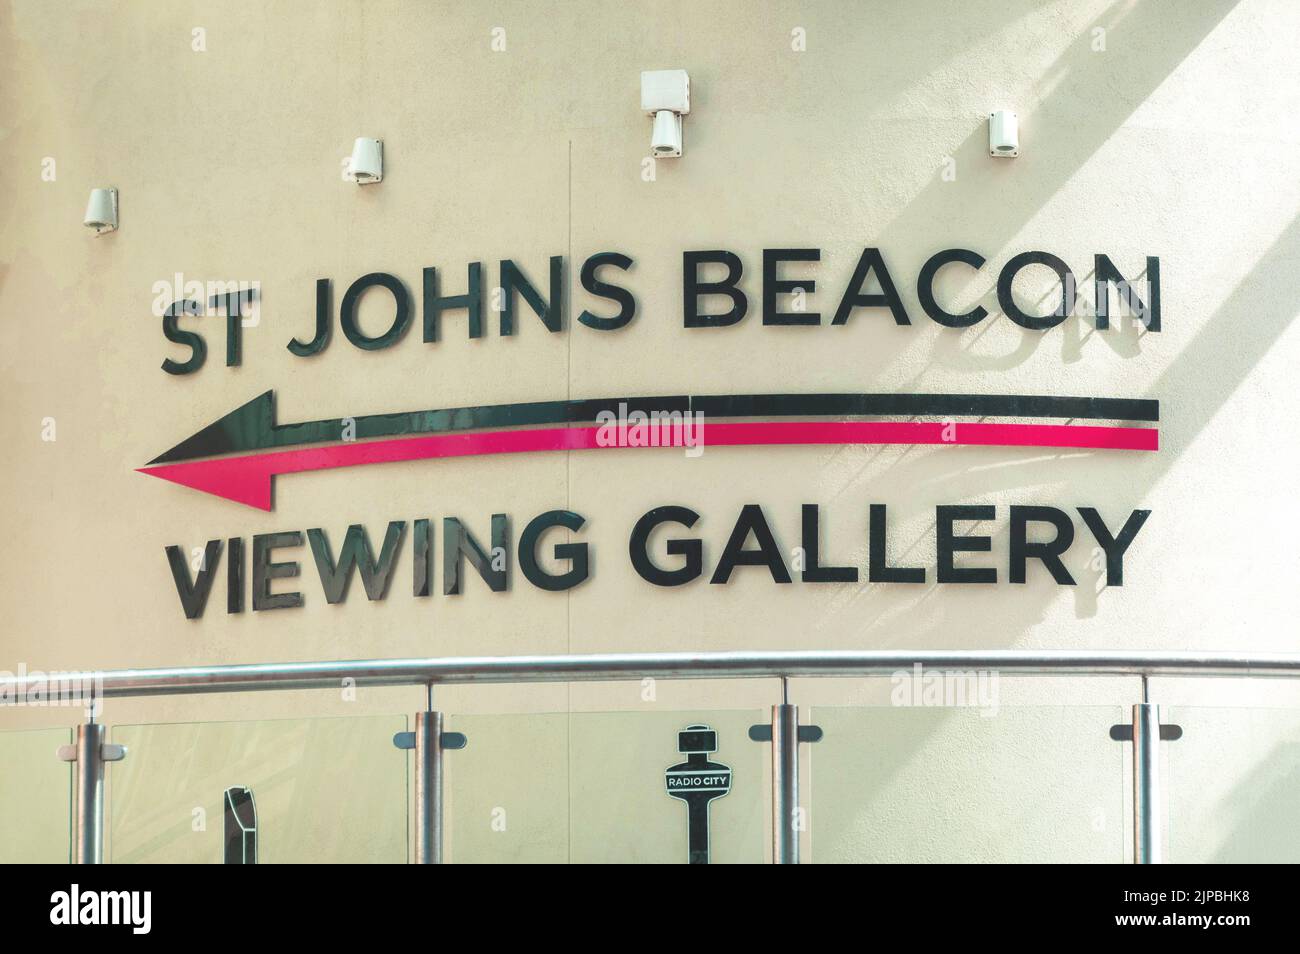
(568, 504)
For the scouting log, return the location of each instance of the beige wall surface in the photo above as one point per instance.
(513, 130)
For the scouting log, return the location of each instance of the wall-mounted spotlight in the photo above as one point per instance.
(367, 162)
(666, 95)
(1004, 134)
(101, 211)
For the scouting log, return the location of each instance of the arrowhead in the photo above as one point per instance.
(247, 480)
(246, 428)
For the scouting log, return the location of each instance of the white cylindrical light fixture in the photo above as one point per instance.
(101, 211)
(666, 137)
(666, 98)
(1004, 134)
(367, 163)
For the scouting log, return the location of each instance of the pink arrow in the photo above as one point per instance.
(249, 479)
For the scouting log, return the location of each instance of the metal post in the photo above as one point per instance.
(785, 784)
(1146, 784)
(428, 788)
(89, 781)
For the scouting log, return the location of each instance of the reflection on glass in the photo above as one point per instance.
(35, 797)
(914, 784)
(327, 790)
(1232, 784)
(591, 788)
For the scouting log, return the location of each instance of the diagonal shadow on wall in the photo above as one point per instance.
(1205, 376)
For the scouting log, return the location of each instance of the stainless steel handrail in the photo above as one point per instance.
(603, 667)
(91, 752)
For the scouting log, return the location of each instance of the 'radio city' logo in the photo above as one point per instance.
(708, 781)
(697, 782)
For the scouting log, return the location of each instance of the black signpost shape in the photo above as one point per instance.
(241, 826)
(697, 781)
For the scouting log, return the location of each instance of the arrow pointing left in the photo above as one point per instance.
(259, 448)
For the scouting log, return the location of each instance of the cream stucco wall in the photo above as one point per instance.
(1177, 139)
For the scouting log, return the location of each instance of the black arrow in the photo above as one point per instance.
(253, 427)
